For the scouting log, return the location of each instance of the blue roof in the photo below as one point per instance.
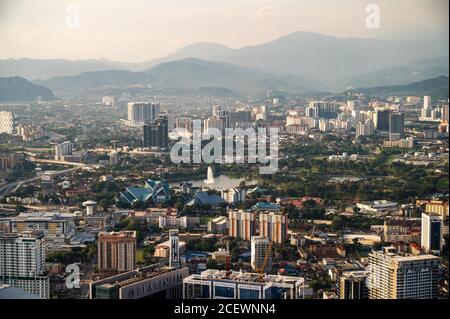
(157, 190)
(203, 198)
(266, 206)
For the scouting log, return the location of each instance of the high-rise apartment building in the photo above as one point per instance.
(62, 150)
(321, 109)
(140, 113)
(116, 252)
(432, 232)
(22, 258)
(242, 224)
(261, 253)
(274, 226)
(7, 122)
(402, 276)
(426, 110)
(365, 128)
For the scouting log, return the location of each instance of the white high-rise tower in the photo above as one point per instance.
(174, 249)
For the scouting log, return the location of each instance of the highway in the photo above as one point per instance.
(14, 186)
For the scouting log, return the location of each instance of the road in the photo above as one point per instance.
(14, 186)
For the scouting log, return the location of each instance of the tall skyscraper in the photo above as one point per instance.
(432, 227)
(426, 111)
(7, 122)
(396, 125)
(242, 224)
(141, 113)
(352, 285)
(116, 252)
(261, 253)
(395, 276)
(274, 226)
(22, 258)
(156, 135)
(174, 249)
(381, 120)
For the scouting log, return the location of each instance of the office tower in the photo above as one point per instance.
(156, 135)
(174, 249)
(402, 276)
(63, 149)
(7, 122)
(22, 258)
(365, 129)
(140, 113)
(352, 285)
(242, 224)
(432, 227)
(381, 120)
(116, 252)
(396, 125)
(274, 226)
(261, 254)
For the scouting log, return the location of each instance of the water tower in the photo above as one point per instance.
(90, 204)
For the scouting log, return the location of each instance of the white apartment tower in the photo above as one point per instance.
(395, 276)
(261, 254)
(62, 150)
(140, 113)
(22, 258)
(7, 122)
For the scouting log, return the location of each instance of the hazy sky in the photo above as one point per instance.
(139, 30)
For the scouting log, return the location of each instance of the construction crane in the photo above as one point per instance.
(261, 270)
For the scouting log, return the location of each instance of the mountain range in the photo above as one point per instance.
(19, 89)
(299, 62)
(438, 88)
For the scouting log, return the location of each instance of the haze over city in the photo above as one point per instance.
(141, 30)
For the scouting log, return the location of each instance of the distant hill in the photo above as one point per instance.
(410, 72)
(333, 62)
(34, 69)
(438, 88)
(19, 89)
(185, 74)
(95, 79)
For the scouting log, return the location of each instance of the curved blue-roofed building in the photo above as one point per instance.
(156, 191)
(265, 206)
